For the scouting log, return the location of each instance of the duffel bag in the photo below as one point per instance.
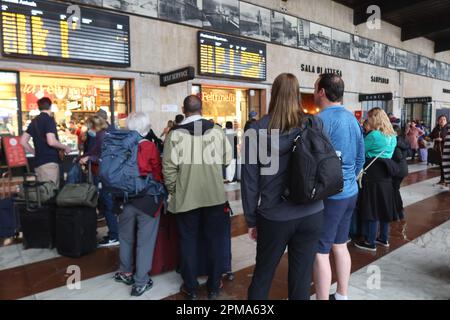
(47, 190)
(76, 195)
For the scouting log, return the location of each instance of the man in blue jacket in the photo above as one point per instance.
(347, 138)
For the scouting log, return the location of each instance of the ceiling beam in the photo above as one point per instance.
(441, 45)
(424, 28)
(387, 7)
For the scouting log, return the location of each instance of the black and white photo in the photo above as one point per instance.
(413, 63)
(182, 11)
(389, 56)
(422, 67)
(221, 15)
(441, 69)
(340, 46)
(432, 69)
(254, 21)
(365, 50)
(401, 59)
(284, 29)
(303, 34)
(320, 38)
(98, 3)
(144, 7)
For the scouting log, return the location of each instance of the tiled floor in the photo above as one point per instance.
(415, 267)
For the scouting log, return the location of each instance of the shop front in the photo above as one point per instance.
(377, 100)
(418, 109)
(75, 98)
(230, 104)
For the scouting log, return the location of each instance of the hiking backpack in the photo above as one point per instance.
(119, 172)
(315, 170)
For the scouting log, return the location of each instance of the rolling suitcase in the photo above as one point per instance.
(166, 256)
(37, 220)
(423, 154)
(76, 231)
(76, 225)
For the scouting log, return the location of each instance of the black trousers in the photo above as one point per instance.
(301, 237)
(213, 223)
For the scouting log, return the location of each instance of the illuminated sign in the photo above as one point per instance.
(225, 56)
(218, 97)
(44, 30)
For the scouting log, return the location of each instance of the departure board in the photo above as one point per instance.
(44, 29)
(225, 56)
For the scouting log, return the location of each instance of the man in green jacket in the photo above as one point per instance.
(195, 153)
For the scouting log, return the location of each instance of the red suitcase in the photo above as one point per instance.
(166, 256)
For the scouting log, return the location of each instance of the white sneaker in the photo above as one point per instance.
(107, 242)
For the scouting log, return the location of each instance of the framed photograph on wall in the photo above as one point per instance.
(432, 68)
(182, 11)
(401, 59)
(147, 8)
(412, 63)
(319, 38)
(340, 45)
(284, 29)
(303, 34)
(221, 15)
(254, 21)
(422, 67)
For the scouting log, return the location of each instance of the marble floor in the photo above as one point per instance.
(417, 266)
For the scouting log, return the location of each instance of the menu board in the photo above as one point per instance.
(53, 31)
(15, 153)
(225, 56)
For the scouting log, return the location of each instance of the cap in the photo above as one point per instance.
(252, 114)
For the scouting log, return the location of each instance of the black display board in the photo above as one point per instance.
(47, 30)
(225, 56)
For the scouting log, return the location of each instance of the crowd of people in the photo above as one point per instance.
(373, 159)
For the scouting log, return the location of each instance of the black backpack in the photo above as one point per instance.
(151, 136)
(315, 170)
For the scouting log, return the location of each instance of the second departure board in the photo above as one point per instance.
(57, 31)
(225, 56)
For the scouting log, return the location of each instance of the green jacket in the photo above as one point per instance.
(193, 161)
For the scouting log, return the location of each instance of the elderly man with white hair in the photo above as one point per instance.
(140, 218)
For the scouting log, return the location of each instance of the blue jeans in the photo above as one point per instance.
(105, 207)
(372, 231)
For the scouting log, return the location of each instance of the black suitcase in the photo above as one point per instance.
(37, 221)
(38, 226)
(76, 231)
(434, 157)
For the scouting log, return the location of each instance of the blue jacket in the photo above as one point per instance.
(347, 138)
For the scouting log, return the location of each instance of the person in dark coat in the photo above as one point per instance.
(377, 197)
(438, 135)
(399, 156)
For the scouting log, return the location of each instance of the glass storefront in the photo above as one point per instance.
(421, 112)
(386, 105)
(229, 104)
(75, 98)
(9, 104)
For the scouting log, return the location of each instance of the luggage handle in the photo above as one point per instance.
(27, 185)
